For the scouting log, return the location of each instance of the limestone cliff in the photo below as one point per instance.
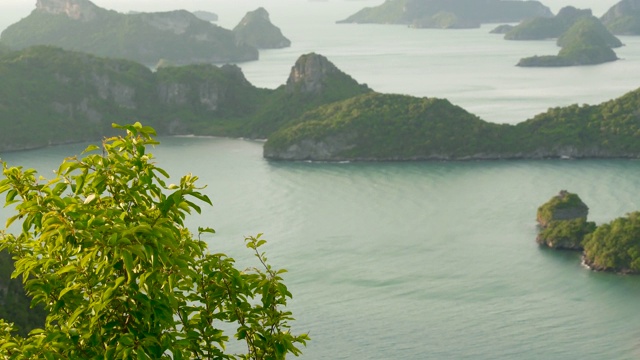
(82, 10)
(76, 97)
(175, 36)
(256, 29)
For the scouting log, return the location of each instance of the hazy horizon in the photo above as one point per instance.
(231, 13)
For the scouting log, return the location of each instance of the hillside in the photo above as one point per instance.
(623, 18)
(380, 127)
(176, 36)
(75, 97)
(544, 27)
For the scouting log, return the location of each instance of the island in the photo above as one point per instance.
(75, 97)
(563, 222)
(612, 247)
(448, 13)
(256, 29)
(319, 113)
(545, 27)
(176, 36)
(586, 42)
(623, 18)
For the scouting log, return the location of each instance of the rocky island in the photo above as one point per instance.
(178, 37)
(583, 38)
(623, 18)
(613, 247)
(563, 222)
(256, 29)
(586, 42)
(448, 13)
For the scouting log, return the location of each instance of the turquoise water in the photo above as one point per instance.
(418, 260)
(429, 260)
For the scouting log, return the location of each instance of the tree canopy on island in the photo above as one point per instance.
(104, 248)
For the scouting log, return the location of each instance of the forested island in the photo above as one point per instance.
(612, 247)
(448, 13)
(320, 113)
(583, 38)
(178, 37)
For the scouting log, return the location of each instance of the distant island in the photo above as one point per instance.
(256, 29)
(583, 38)
(448, 13)
(613, 247)
(547, 27)
(178, 37)
(586, 42)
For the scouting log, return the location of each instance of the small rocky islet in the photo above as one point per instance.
(612, 247)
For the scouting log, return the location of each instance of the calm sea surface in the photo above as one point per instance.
(422, 260)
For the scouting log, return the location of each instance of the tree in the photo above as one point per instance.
(103, 246)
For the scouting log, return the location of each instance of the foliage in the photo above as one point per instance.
(615, 246)
(104, 248)
(566, 234)
(383, 126)
(14, 303)
(564, 206)
(141, 37)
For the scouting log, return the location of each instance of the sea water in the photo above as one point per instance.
(422, 260)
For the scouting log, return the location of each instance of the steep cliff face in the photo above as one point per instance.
(623, 18)
(76, 97)
(310, 74)
(176, 36)
(82, 10)
(256, 29)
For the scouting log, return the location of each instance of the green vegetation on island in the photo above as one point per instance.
(544, 27)
(613, 247)
(623, 18)
(74, 97)
(104, 248)
(386, 127)
(348, 130)
(563, 222)
(586, 42)
(177, 36)
(448, 13)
